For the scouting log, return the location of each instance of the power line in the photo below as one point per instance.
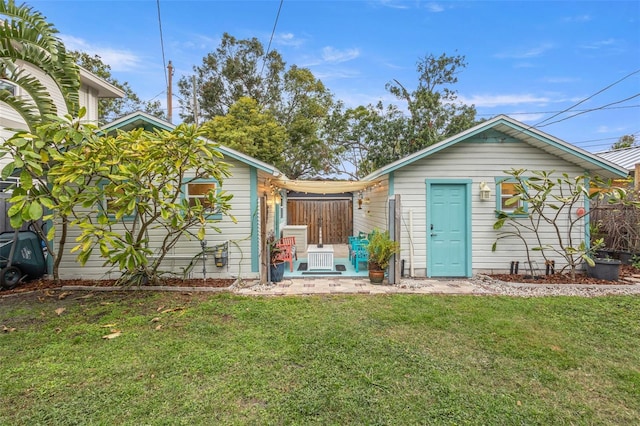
(273, 31)
(553, 112)
(587, 98)
(164, 62)
(590, 110)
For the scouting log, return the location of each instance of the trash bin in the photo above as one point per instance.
(28, 260)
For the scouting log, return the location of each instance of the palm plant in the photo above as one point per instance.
(27, 38)
(34, 60)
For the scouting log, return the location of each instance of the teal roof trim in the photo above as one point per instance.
(506, 124)
(228, 152)
(569, 149)
(149, 121)
(425, 152)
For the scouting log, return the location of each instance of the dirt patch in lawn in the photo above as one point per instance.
(46, 284)
(628, 273)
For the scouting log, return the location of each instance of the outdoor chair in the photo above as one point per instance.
(360, 254)
(290, 241)
(286, 254)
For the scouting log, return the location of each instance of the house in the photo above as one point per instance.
(443, 221)
(629, 158)
(92, 88)
(253, 202)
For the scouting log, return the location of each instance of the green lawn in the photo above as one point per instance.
(403, 359)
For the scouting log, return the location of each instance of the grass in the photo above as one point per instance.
(224, 359)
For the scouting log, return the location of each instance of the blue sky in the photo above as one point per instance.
(527, 59)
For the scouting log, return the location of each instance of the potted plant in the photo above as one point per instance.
(381, 249)
(276, 264)
(599, 266)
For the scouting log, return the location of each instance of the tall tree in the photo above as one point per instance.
(433, 106)
(626, 141)
(110, 109)
(304, 112)
(249, 129)
(362, 137)
(294, 96)
(238, 68)
(27, 38)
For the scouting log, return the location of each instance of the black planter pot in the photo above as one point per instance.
(604, 269)
(625, 257)
(277, 272)
(605, 254)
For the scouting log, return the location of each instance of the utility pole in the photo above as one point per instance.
(195, 102)
(170, 94)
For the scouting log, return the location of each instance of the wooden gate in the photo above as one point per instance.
(336, 215)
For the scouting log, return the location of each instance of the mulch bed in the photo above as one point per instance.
(626, 271)
(46, 284)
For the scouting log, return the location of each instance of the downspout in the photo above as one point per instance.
(411, 270)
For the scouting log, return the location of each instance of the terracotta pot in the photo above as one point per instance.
(376, 274)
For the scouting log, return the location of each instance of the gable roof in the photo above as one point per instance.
(139, 119)
(625, 157)
(105, 89)
(513, 128)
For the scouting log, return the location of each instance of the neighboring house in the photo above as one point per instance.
(446, 227)
(629, 158)
(253, 202)
(92, 88)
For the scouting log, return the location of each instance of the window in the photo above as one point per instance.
(109, 207)
(200, 191)
(5, 85)
(506, 189)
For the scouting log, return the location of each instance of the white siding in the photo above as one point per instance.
(374, 212)
(89, 99)
(11, 119)
(479, 162)
(238, 235)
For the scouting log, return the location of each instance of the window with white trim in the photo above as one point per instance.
(109, 207)
(200, 190)
(506, 189)
(5, 85)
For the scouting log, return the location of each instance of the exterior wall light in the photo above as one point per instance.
(485, 191)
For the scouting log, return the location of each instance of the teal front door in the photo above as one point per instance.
(448, 228)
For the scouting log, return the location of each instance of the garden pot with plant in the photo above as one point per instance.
(604, 269)
(381, 249)
(276, 264)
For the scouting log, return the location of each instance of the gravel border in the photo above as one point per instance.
(537, 290)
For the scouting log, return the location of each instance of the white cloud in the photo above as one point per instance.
(608, 129)
(330, 54)
(288, 39)
(198, 42)
(527, 116)
(578, 18)
(394, 4)
(494, 101)
(435, 7)
(531, 52)
(560, 80)
(118, 60)
(599, 44)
